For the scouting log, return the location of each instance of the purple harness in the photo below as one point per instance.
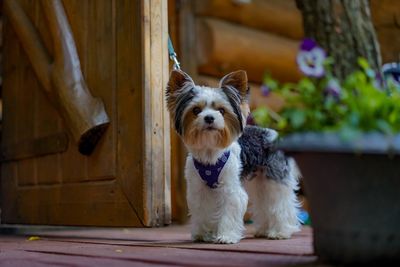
(210, 173)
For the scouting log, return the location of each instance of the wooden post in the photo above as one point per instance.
(156, 121)
(61, 77)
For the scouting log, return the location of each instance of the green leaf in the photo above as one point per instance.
(370, 73)
(361, 107)
(270, 82)
(261, 116)
(394, 117)
(363, 63)
(348, 133)
(384, 126)
(297, 118)
(282, 124)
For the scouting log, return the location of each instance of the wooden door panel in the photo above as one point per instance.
(47, 122)
(104, 204)
(109, 187)
(27, 173)
(101, 73)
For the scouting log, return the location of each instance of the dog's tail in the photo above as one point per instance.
(294, 172)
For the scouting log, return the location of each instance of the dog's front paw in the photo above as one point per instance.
(274, 235)
(278, 233)
(226, 240)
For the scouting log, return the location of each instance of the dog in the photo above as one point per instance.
(228, 160)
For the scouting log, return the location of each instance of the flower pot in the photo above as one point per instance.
(353, 189)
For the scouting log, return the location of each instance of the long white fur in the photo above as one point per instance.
(217, 214)
(274, 205)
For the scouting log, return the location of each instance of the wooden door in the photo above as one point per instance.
(125, 181)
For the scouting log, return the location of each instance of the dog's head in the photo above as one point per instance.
(208, 117)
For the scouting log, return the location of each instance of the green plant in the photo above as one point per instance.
(320, 102)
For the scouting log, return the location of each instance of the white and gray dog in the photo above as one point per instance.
(227, 158)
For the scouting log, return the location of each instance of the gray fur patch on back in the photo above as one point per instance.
(259, 152)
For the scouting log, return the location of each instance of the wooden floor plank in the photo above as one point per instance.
(170, 246)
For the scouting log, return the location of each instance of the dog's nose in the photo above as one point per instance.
(209, 119)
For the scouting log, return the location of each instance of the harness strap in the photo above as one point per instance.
(210, 173)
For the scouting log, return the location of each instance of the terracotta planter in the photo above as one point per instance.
(354, 193)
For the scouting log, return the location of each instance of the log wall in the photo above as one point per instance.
(257, 36)
(215, 37)
(386, 18)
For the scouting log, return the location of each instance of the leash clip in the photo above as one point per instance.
(177, 65)
(172, 55)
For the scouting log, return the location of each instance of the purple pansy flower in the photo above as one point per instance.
(250, 120)
(333, 89)
(308, 44)
(311, 58)
(265, 91)
(378, 81)
(391, 73)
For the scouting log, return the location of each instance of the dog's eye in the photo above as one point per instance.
(196, 111)
(222, 110)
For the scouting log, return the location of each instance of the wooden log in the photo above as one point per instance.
(389, 40)
(385, 13)
(275, 16)
(386, 18)
(84, 114)
(61, 77)
(273, 101)
(30, 41)
(56, 143)
(224, 47)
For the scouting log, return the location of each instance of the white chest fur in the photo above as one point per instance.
(216, 211)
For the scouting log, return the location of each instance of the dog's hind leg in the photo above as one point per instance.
(274, 204)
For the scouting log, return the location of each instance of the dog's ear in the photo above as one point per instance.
(235, 87)
(177, 80)
(238, 80)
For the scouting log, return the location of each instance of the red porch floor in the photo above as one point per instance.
(169, 246)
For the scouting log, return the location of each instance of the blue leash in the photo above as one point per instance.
(172, 55)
